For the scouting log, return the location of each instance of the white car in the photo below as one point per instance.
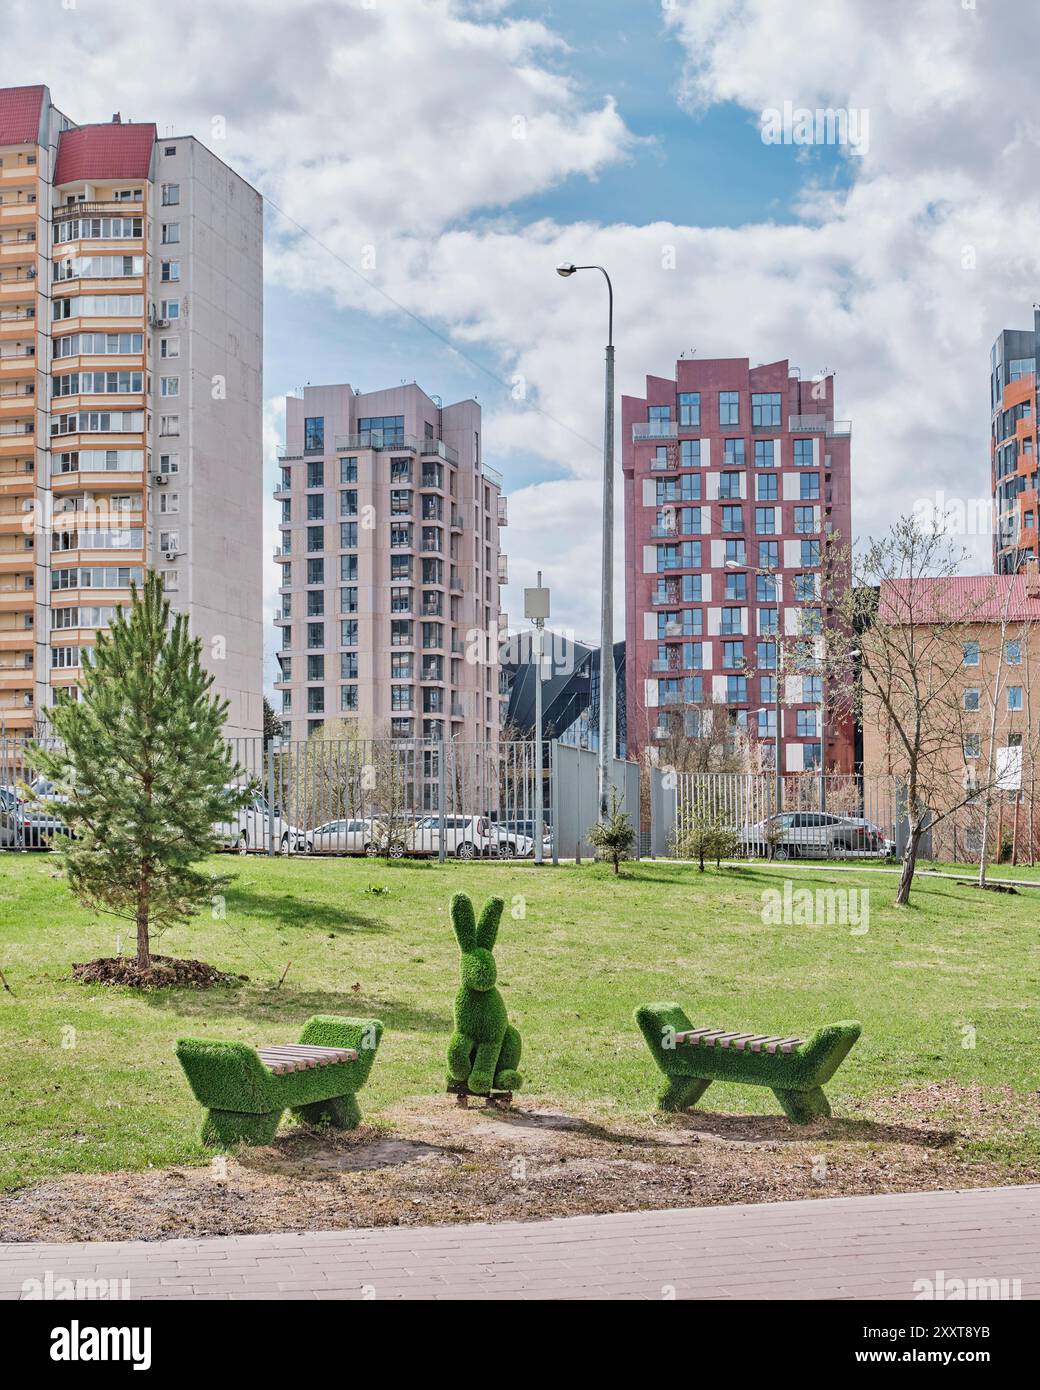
(468, 837)
(254, 826)
(357, 836)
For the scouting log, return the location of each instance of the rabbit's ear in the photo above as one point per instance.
(463, 921)
(487, 927)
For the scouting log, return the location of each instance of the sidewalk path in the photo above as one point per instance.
(844, 1247)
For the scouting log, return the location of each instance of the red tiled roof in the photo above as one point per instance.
(110, 151)
(20, 115)
(982, 598)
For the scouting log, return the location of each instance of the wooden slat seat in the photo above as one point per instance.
(289, 1057)
(741, 1042)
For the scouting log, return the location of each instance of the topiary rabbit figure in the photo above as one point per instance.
(485, 1048)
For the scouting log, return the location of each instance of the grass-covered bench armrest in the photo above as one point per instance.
(245, 1089)
(793, 1068)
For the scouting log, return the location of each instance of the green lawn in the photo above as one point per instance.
(91, 1083)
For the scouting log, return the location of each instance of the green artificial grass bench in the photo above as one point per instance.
(794, 1069)
(245, 1089)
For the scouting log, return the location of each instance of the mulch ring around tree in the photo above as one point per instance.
(163, 973)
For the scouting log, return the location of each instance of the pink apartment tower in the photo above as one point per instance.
(736, 482)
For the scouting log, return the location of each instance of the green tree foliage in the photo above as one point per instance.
(705, 836)
(613, 837)
(144, 768)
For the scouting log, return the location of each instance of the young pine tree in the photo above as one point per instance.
(144, 765)
(613, 837)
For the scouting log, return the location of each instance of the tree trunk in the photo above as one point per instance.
(906, 877)
(144, 954)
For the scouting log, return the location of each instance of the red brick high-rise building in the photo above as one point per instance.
(736, 479)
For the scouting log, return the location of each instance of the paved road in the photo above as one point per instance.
(845, 1247)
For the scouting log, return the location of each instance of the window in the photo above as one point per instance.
(315, 571)
(171, 271)
(735, 553)
(812, 755)
(348, 535)
(1013, 653)
(1014, 697)
(348, 632)
(804, 520)
(734, 455)
(729, 485)
(315, 538)
(732, 655)
(348, 470)
(766, 485)
(803, 453)
(381, 431)
(765, 408)
(315, 507)
(971, 654)
(765, 453)
(806, 723)
(169, 463)
(809, 486)
(729, 408)
(315, 699)
(690, 455)
(169, 424)
(769, 555)
(732, 518)
(316, 474)
(736, 586)
(348, 599)
(972, 746)
(348, 666)
(810, 554)
(766, 588)
(766, 719)
(170, 346)
(171, 233)
(765, 656)
(768, 622)
(804, 587)
(690, 408)
(736, 690)
(765, 519)
(314, 434)
(971, 698)
(170, 385)
(171, 194)
(731, 622)
(315, 668)
(169, 309)
(348, 697)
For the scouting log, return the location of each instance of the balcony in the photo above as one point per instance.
(458, 710)
(655, 429)
(493, 475)
(440, 449)
(503, 569)
(663, 664)
(666, 596)
(456, 519)
(820, 424)
(503, 511)
(455, 585)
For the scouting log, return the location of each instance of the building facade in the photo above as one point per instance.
(130, 399)
(391, 564)
(736, 479)
(1013, 446)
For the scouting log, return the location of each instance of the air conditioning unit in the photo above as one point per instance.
(159, 479)
(158, 323)
(172, 554)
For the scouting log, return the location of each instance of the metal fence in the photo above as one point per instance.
(445, 798)
(809, 815)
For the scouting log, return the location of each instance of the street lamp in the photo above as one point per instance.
(606, 655)
(536, 608)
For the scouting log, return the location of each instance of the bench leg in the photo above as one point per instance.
(682, 1092)
(222, 1129)
(342, 1112)
(801, 1107)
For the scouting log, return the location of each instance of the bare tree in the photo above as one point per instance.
(894, 652)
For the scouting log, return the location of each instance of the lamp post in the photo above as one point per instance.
(606, 655)
(536, 608)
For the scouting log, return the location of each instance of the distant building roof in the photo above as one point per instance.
(981, 598)
(109, 151)
(20, 110)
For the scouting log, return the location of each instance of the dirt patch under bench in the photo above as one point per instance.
(429, 1162)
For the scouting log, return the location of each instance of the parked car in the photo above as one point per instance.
(253, 826)
(467, 837)
(29, 824)
(357, 836)
(524, 830)
(812, 834)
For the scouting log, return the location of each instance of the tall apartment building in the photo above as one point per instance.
(1013, 446)
(735, 477)
(391, 566)
(130, 398)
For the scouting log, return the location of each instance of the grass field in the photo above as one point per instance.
(91, 1083)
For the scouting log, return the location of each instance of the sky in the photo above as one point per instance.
(427, 163)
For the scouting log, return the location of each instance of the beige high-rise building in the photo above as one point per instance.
(391, 566)
(130, 398)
